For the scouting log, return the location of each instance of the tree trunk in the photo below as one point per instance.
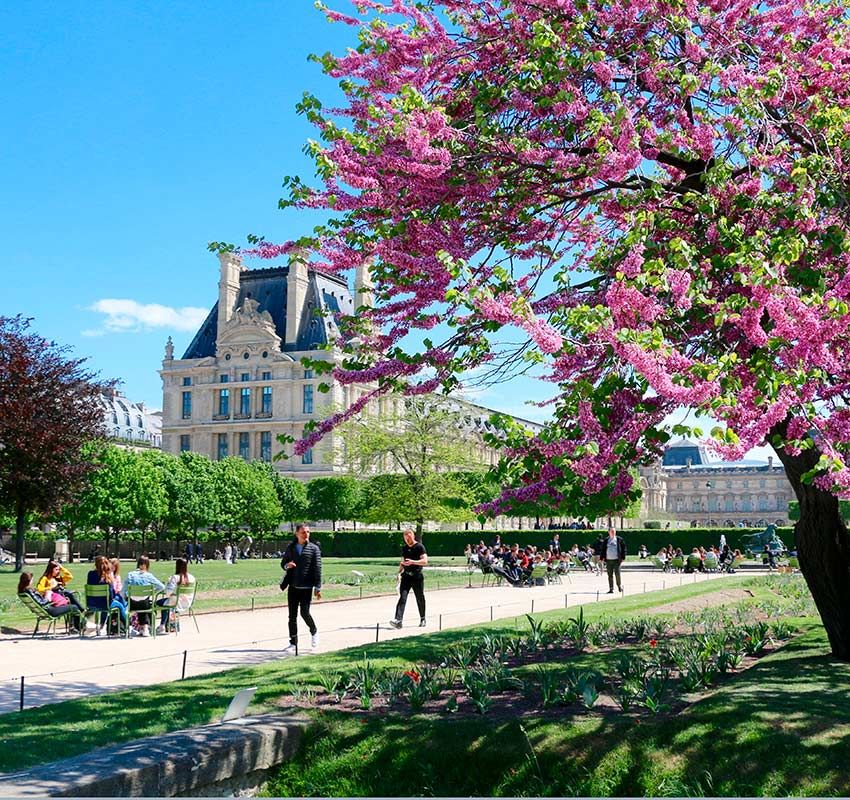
(419, 524)
(20, 530)
(823, 549)
(70, 545)
(333, 525)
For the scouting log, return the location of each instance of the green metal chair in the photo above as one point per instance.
(657, 562)
(41, 615)
(100, 591)
(677, 564)
(694, 562)
(190, 591)
(710, 562)
(141, 593)
(490, 578)
(537, 577)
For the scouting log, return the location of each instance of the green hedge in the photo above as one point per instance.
(348, 544)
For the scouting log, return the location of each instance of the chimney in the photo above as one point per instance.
(297, 284)
(228, 287)
(363, 285)
(770, 462)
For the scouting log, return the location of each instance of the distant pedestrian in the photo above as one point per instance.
(413, 558)
(302, 564)
(615, 555)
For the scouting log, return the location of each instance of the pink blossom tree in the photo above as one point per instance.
(653, 193)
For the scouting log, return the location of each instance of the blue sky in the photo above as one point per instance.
(134, 134)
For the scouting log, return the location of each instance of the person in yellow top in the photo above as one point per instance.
(51, 585)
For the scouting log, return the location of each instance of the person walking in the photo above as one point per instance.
(413, 558)
(302, 563)
(615, 554)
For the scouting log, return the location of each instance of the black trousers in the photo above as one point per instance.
(299, 599)
(408, 582)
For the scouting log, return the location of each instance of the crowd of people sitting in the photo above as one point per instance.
(700, 559)
(515, 564)
(114, 611)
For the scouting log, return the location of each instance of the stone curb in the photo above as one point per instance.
(171, 765)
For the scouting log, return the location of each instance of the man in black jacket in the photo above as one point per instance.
(302, 563)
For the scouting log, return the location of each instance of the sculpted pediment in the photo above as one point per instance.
(248, 326)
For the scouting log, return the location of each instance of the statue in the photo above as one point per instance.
(169, 350)
(755, 542)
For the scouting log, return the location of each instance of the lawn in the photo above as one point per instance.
(225, 586)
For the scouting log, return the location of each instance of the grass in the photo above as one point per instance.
(781, 728)
(77, 726)
(233, 586)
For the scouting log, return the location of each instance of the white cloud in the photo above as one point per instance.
(128, 316)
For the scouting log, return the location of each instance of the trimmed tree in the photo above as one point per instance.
(292, 496)
(333, 498)
(48, 414)
(655, 196)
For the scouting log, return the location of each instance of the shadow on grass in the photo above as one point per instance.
(781, 728)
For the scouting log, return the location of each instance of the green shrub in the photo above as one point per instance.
(365, 544)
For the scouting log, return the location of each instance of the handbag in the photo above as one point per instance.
(59, 600)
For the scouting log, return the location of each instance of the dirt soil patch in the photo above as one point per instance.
(703, 601)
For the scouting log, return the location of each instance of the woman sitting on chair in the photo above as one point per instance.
(181, 577)
(51, 586)
(54, 610)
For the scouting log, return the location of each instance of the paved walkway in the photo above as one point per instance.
(64, 667)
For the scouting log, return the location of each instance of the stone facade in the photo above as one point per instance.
(688, 486)
(130, 424)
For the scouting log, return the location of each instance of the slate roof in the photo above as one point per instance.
(326, 294)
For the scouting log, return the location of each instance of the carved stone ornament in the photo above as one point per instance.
(169, 350)
(248, 329)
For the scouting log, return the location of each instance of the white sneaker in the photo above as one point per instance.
(146, 630)
(101, 631)
(289, 650)
(161, 630)
(90, 626)
(314, 641)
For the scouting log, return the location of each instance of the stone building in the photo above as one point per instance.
(241, 383)
(687, 485)
(130, 424)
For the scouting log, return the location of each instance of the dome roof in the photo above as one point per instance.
(130, 422)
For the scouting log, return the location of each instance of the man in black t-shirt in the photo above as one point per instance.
(413, 558)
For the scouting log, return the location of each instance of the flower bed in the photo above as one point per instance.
(640, 665)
